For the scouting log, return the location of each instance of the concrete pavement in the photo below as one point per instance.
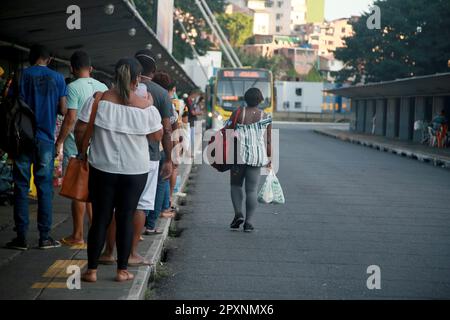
(436, 156)
(41, 274)
(347, 208)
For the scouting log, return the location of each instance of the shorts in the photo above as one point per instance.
(147, 200)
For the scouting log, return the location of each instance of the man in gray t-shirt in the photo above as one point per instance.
(164, 105)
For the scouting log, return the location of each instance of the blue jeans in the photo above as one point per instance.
(43, 162)
(162, 188)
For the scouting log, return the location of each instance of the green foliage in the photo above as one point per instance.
(414, 40)
(193, 22)
(147, 10)
(238, 27)
(313, 76)
(196, 27)
(277, 64)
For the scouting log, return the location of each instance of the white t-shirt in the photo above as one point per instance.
(119, 143)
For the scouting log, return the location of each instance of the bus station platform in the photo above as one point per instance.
(410, 149)
(42, 274)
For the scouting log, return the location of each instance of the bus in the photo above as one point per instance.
(225, 92)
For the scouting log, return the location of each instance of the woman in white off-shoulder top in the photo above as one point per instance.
(118, 162)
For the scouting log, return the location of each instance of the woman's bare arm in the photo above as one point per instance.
(156, 136)
(269, 141)
(80, 130)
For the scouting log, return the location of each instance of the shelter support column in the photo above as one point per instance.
(419, 114)
(370, 111)
(380, 123)
(391, 118)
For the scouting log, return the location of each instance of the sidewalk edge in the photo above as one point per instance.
(153, 254)
(404, 152)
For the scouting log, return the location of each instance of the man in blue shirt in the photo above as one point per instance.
(44, 90)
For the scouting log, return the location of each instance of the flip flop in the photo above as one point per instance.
(140, 263)
(152, 232)
(168, 214)
(70, 243)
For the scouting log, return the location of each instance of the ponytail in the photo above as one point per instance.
(123, 82)
(127, 71)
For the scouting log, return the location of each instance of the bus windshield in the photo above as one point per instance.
(230, 92)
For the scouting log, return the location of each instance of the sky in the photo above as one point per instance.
(345, 8)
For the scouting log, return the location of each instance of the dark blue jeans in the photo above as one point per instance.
(161, 189)
(43, 162)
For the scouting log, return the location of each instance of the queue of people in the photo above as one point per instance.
(132, 128)
(131, 172)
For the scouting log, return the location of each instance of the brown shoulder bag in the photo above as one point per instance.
(76, 178)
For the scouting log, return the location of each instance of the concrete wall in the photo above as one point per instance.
(370, 110)
(405, 119)
(419, 114)
(391, 118)
(309, 101)
(380, 124)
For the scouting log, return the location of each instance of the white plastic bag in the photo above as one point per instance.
(271, 191)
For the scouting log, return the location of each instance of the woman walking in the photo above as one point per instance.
(254, 152)
(118, 162)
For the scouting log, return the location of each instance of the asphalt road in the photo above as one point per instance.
(348, 207)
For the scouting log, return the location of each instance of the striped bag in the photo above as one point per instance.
(252, 147)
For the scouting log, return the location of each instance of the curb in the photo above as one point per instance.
(435, 160)
(153, 254)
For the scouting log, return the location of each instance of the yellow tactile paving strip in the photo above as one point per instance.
(58, 270)
(79, 247)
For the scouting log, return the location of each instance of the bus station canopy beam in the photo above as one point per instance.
(105, 37)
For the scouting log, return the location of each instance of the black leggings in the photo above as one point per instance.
(113, 193)
(249, 174)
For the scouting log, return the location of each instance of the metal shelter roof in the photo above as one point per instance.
(430, 85)
(105, 37)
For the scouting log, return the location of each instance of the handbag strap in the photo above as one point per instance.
(235, 120)
(90, 128)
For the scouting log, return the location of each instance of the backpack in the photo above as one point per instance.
(17, 125)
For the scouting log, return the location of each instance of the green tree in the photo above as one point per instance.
(147, 10)
(196, 27)
(313, 76)
(414, 40)
(193, 21)
(238, 27)
(277, 64)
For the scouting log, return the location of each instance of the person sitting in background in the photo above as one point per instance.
(44, 90)
(440, 128)
(78, 91)
(439, 120)
(118, 162)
